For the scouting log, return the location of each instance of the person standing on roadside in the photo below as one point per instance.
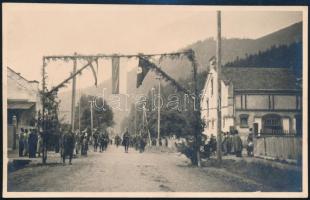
(237, 143)
(39, 144)
(21, 142)
(126, 140)
(25, 139)
(250, 144)
(32, 140)
(101, 140)
(68, 146)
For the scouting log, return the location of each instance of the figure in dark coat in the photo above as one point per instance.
(166, 142)
(117, 140)
(68, 146)
(142, 143)
(32, 143)
(106, 140)
(26, 145)
(126, 140)
(101, 141)
(213, 144)
(96, 140)
(250, 143)
(229, 143)
(237, 144)
(21, 142)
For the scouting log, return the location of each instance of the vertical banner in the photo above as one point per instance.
(142, 71)
(115, 75)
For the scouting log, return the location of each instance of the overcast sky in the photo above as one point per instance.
(34, 30)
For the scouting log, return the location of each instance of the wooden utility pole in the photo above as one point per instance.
(158, 113)
(197, 113)
(79, 110)
(91, 117)
(135, 120)
(44, 117)
(219, 78)
(145, 124)
(73, 95)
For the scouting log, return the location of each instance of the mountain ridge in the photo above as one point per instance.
(231, 49)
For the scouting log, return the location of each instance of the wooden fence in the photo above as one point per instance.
(280, 147)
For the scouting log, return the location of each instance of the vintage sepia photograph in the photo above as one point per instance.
(106, 100)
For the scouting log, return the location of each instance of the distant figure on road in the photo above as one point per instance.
(160, 142)
(84, 145)
(77, 141)
(126, 140)
(101, 141)
(153, 142)
(142, 143)
(117, 140)
(96, 140)
(68, 146)
(106, 140)
(166, 142)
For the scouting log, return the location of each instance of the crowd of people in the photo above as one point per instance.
(76, 143)
(231, 144)
(73, 143)
(30, 142)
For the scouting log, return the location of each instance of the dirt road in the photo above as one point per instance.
(116, 171)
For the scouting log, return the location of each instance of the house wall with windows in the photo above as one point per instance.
(268, 105)
(209, 105)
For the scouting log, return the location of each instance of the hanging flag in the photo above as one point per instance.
(115, 75)
(142, 71)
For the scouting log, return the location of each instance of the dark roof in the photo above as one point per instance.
(259, 78)
(22, 76)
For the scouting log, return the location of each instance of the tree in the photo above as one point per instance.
(284, 56)
(102, 112)
(180, 123)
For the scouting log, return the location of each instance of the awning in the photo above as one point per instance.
(20, 105)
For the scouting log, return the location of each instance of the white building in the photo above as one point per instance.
(265, 99)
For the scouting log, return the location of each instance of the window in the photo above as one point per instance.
(272, 124)
(244, 120)
(212, 123)
(211, 86)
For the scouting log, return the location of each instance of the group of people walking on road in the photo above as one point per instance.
(30, 142)
(138, 141)
(101, 139)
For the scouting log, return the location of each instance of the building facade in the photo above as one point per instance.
(265, 99)
(23, 103)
